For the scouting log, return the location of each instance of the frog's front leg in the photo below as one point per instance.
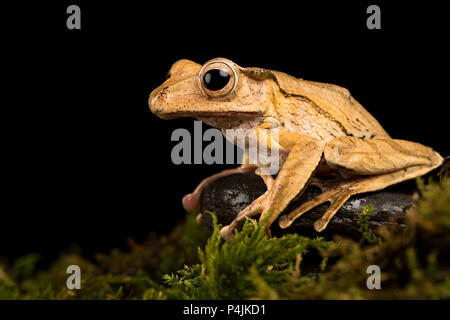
(191, 201)
(303, 158)
(378, 163)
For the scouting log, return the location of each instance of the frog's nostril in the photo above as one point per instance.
(157, 94)
(162, 92)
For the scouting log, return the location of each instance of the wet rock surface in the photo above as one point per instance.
(227, 196)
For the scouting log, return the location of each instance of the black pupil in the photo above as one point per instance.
(215, 79)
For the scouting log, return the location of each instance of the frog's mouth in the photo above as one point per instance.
(206, 114)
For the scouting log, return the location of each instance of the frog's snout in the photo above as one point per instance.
(155, 101)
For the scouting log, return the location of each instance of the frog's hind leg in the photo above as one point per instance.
(381, 167)
(337, 193)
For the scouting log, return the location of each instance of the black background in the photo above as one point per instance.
(85, 162)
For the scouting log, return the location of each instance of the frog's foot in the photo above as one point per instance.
(191, 201)
(256, 207)
(336, 192)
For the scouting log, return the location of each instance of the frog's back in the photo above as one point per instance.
(330, 110)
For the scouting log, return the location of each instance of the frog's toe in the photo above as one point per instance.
(191, 202)
(253, 209)
(336, 195)
(227, 232)
(284, 222)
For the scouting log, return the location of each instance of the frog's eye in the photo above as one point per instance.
(218, 78)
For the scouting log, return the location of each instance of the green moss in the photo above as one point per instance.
(414, 261)
(227, 269)
(192, 263)
(135, 274)
(364, 228)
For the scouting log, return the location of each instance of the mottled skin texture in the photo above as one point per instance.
(322, 130)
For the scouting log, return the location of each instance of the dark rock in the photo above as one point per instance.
(227, 196)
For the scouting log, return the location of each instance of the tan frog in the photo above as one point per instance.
(321, 129)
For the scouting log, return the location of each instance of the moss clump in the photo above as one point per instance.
(228, 270)
(136, 274)
(190, 263)
(414, 261)
(364, 228)
(159, 254)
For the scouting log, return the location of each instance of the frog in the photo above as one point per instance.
(324, 136)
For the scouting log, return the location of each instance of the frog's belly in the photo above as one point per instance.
(272, 160)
